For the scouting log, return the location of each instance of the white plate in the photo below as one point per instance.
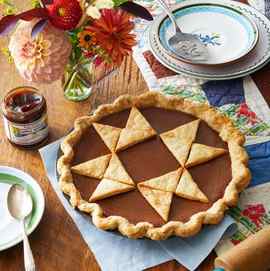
(227, 33)
(10, 229)
(255, 60)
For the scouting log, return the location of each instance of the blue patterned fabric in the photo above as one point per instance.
(267, 8)
(224, 92)
(259, 163)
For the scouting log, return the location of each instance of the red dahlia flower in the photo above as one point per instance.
(65, 14)
(113, 33)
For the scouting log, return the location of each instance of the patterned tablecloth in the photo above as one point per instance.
(239, 99)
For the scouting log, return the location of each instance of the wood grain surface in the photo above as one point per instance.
(57, 244)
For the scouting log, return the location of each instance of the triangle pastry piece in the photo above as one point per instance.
(159, 200)
(130, 137)
(117, 172)
(167, 182)
(94, 168)
(137, 130)
(188, 189)
(107, 188)
(180, 139)
(109, 134)
(137, 121)
(201, 153)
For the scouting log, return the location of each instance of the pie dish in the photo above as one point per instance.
(153, 166)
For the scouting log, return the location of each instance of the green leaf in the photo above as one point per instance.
(35, 3)
(119, 2)
(76, 50)
(9, 7)
(5, 51)
(6, 2)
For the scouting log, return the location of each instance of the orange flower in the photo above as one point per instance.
(87, 39)
(112, 31)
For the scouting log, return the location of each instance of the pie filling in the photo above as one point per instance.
(150, 159)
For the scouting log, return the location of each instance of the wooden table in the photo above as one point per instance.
(56, 243)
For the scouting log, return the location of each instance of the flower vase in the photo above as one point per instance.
(80, 78)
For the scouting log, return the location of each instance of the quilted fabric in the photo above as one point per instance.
(220, 93)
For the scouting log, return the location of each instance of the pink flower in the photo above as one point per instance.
(254, 213)
(42, 59)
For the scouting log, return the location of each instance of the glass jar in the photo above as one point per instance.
(25, 117)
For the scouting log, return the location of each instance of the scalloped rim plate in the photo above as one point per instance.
(255, 60)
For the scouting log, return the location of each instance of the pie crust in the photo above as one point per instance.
(215, 120)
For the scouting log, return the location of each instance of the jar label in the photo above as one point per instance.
(27, 134)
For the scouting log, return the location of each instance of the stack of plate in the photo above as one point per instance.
(237, 37)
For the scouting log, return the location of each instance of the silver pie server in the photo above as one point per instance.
(20, 206)
(187, 47)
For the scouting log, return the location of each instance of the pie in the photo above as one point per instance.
(153, 166)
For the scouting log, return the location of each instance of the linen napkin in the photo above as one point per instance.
(117, 253)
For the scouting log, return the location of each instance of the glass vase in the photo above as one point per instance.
(81, 77)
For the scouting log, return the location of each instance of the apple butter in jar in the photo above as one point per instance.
(25, 117)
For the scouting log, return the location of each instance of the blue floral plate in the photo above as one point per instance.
(257, 57)
(228, 34)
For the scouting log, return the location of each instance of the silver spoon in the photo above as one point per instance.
(185, 46)
(20, 206)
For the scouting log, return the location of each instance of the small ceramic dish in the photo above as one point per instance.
(10, 228)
